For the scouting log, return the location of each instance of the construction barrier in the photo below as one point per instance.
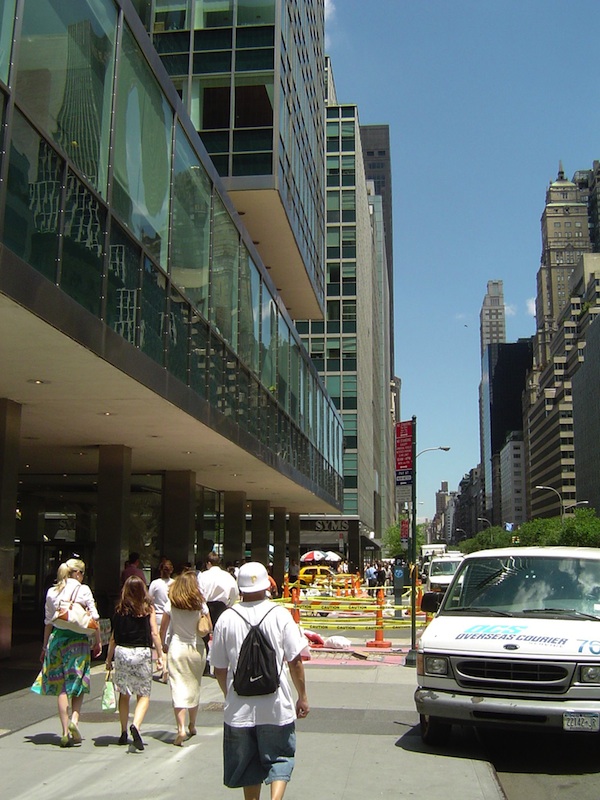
(333, 613)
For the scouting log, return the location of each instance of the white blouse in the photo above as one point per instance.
(84, 597)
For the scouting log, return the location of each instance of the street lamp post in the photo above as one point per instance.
(411, 656)
(560, 500)
(484, 519)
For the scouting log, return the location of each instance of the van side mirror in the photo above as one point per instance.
(431, 601)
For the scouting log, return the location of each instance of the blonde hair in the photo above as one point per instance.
(66, 570)
(185, 593)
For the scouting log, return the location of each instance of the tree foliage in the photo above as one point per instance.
(391, 544)
(579, 530)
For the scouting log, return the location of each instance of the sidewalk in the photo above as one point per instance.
(359, 741)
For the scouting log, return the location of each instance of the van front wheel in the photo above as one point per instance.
(434, 730)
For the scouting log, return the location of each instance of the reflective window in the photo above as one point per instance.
(7, 17)
(212, 13)
(122, 291)
(249, 314)
(255, 12)
(198, 355)
(34, 187)
(142, 151)
(65, 77)
(294, 381)
(153, 308)
(81, 264)
(190, 232)
(224, 274)
(177, 336)
(283, 364)
(170, 15)
(268, 341)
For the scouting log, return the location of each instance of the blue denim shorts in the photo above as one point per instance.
(262, 754)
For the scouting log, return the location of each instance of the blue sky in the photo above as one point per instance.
(483, 99)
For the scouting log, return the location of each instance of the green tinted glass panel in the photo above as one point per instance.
(83, 245)
(7, 16)
(199, 354)
(255, 37)
(177, 336)
(283, 364)
(33, 198)
(170, 15)
(255, 12)
(224, 273)
(65, 77)
(249, 314)
(212, 13)
(269, 341)
(142, 151)
(122, 294)
(153, 311)
(190, 232)
(250, 60)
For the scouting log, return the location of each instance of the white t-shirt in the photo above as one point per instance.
(82, 593)
(159, 592)
(284, 634)
(217, 584)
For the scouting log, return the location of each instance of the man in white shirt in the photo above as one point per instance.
(259, 741)
(220, 591)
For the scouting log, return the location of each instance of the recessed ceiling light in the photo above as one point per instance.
(106, 414)
(37, 381)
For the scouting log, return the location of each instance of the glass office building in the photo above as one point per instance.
(132, 295)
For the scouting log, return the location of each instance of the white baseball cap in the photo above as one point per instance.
(253, 577)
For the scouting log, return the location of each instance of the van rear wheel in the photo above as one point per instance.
(434, 730)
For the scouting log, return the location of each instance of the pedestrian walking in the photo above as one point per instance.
(132, 567)
(219, 589)
(186, 651)
(65, 653)
(134, 631)
(259, 741)
(159, 594)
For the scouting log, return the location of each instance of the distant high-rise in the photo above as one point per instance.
(492, 317)
(565, 238)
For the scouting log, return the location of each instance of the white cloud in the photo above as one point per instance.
(531, 306)
(329, 23)
(510, 311)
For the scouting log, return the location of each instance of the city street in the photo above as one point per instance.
(360, 741)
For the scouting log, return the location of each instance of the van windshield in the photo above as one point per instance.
(443, 567)
(535, 585)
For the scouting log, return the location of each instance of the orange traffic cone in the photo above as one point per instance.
(379, 641)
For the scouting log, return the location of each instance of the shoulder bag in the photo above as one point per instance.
(72, 616)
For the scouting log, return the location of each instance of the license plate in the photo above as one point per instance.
(585, 721)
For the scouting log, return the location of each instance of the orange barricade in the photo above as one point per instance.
(379, 641)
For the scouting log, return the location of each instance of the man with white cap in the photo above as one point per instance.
(259, 741)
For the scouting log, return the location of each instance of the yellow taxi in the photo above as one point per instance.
(315, 575)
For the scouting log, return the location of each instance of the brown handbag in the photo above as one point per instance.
(204, 625)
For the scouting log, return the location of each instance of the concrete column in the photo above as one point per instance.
(234, 526)
(279, 542)
(31, 534)
(179, 515)
(261, 531)
(10, 436)
(112, 544)
(294, 538)
(355, 559)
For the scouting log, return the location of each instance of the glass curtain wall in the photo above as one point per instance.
(107, 197)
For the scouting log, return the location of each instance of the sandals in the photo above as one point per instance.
(76, 737)
(192, 731)
(179, 740)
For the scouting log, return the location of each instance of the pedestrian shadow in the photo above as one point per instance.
(44, 739)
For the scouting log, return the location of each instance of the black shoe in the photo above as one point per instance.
(137, 739)
(123, 738)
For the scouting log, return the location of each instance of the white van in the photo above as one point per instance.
(440, 572)
(515, 642)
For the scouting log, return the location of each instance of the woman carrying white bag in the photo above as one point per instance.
(66, 650)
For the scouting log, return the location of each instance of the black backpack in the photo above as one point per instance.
(256, 672)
